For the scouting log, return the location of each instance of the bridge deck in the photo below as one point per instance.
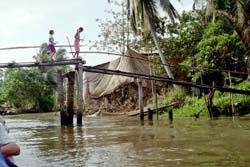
(41, 64)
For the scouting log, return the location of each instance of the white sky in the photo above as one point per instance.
(27, 22)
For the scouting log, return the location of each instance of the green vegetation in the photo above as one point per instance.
(26, 89)
(205, 52)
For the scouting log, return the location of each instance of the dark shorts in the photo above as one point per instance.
(52, 48)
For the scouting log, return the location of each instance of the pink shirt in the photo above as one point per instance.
(77, 37)
(77, 42)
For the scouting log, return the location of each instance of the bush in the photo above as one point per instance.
(191, 106)
(46, 104)
(175, 95)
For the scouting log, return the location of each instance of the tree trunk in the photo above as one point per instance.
(243, 30)
(210, 103)
(157, 44)
(212, 109)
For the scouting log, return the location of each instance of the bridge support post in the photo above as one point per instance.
(140, 98)
(150, 114)
(170, 116)
(60, 98)
(80, 94)
(70, 97)
(153, 85)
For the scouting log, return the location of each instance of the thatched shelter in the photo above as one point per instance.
(114, 93)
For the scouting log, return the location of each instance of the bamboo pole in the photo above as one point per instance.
(34, 47)
(163, 79)
(231, 95)
(154, 94)
(70, 47)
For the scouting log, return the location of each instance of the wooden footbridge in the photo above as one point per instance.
(77, 75)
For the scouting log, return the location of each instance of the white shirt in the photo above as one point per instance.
(4, 137)
(51, 40)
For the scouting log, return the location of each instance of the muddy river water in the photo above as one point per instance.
(126, 142)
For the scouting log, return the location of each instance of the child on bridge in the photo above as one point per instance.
(51, 45)
(77, 42)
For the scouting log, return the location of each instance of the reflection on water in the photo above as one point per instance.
(122, 142)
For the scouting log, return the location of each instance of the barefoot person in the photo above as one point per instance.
(51, 45)
(8, 147)
(77, 42)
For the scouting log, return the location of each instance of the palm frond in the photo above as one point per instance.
(245, 5)
(170, 10)
(60, 54)
(133, 14)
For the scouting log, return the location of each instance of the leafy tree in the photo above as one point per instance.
(237, 13)
(182, 40)
(26, 89)
(219, 49)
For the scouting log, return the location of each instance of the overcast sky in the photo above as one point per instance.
(27, 22)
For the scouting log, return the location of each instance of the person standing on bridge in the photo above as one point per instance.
(77, 42)
(51, 45)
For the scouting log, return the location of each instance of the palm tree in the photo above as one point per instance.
(237, 12)
(144, 13)
(43, 55)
